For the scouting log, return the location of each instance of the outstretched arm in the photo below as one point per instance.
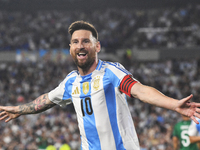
(40, 104)
(152, 96)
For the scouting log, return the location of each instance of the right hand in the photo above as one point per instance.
(8, 113)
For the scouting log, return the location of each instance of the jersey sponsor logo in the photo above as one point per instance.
(96, 83)
(76, 91)
(85, 87)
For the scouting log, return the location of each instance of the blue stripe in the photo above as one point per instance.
(89, 119)
(198, 126)
(68, 88)
(111, 106)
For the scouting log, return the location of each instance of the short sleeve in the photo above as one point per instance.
(56, 95)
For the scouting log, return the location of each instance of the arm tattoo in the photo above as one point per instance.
(36, 106)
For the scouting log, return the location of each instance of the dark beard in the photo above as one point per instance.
(86, 66)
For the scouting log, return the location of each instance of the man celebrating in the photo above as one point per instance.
(98, 92)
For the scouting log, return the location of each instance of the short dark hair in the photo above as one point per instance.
(78, 25)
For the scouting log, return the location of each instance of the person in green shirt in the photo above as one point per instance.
(181, 140)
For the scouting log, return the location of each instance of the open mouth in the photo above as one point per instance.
(81, 54)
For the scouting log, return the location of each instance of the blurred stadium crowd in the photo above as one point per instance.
(118, 28)
(23, 82)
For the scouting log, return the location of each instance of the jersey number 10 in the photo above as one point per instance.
(88, 106)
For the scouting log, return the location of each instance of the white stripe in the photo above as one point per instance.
(101, 117)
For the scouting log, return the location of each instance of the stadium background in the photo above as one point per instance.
(157, 41)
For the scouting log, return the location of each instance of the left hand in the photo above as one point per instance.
(187, 108)
(8, 113)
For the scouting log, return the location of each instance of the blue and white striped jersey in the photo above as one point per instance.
(103, 115)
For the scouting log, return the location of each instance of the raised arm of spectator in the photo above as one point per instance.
(152, 96)
(40, 104)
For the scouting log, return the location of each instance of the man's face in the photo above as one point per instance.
(84, 48)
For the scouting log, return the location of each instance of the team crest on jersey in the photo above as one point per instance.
(85, 87)
(96, 84)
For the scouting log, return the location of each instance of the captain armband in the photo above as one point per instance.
(126, 85)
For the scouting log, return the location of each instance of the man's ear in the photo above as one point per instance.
(98, 47)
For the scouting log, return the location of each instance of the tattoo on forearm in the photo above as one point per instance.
(36, 106)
